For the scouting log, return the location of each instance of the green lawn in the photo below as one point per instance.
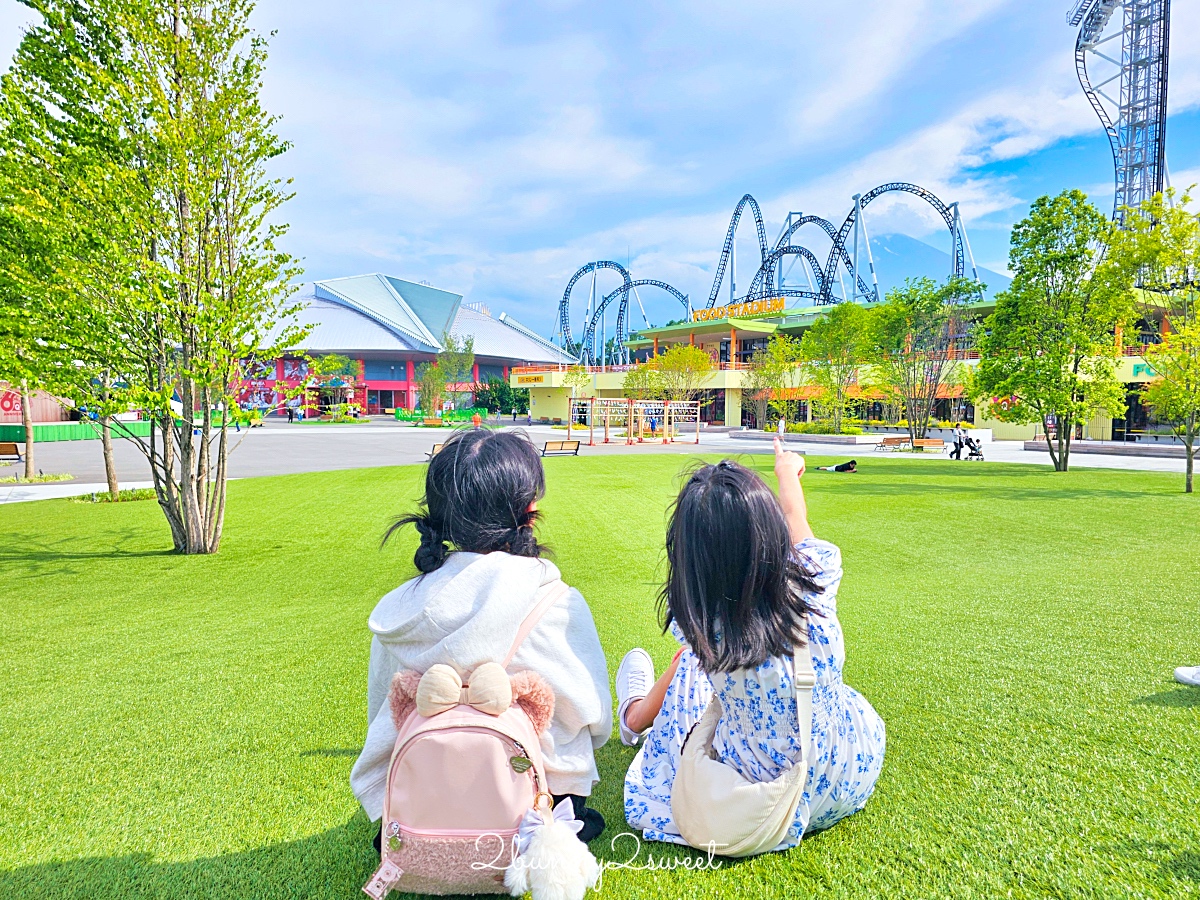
(184, 727)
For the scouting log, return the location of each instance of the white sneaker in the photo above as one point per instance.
(1184, 675)
(634, 677)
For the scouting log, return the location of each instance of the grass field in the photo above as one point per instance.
(184, 727)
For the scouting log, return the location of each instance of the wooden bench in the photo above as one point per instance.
(437, 448)
(924, 444)
(432, 423)
(553, 447)
(9, 450)
(892, 443)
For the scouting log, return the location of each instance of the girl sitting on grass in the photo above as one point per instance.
(481, 575)
(748, 584)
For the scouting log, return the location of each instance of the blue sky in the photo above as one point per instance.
(492, 149)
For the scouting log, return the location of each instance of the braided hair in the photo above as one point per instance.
(478, 491)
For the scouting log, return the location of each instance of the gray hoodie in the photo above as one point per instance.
(467, 613)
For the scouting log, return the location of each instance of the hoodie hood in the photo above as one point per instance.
(467, 611)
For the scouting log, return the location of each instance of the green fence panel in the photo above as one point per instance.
(71, 431)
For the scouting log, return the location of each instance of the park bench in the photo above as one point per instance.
(924, 444)
(432, 423)
(8, 450)
(892, 443)
(437, 448)
(553, 447)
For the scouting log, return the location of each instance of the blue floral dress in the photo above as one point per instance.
(758, 733)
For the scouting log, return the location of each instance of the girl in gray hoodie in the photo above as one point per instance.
(481, 574)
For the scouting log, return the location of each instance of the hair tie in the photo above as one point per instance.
(432, 552)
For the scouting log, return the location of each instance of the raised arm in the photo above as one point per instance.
(789, 468)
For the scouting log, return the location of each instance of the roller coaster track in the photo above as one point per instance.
(1135, 119)
(728, 248)
(830, 229)
(628, 284)
(564, 310)
(1094, 19)
(762, 285)
(839, 243)
(586, 355)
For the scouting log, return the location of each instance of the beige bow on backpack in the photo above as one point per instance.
(441, 688)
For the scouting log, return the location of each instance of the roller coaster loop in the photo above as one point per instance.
(763, 285)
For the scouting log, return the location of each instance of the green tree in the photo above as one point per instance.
(768, 374)
(642, 382)
(58, 177)
(1049, 351)
(833, 351)
(915, 335)
(431, 383)
(682, 371)
(164, 144)
(456, 360)
(498, 396)
(1161, 242)
(334, 374)
(576, 378)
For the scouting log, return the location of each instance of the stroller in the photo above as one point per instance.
(975, 448)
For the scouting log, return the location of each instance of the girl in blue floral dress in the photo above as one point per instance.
(747, 582)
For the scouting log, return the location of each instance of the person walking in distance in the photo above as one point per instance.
(781, 428)
(960, 440)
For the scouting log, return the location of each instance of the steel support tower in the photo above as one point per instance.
(1136, 72)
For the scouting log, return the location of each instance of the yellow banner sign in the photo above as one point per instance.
(531, 379)
(738, 310)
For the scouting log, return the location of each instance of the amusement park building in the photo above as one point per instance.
(732, 339)
(387, 327)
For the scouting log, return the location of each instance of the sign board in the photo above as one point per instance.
(531, 379)
(736, 310)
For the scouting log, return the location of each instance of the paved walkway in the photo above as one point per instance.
(279, 449)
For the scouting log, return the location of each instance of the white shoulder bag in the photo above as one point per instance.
(714, 806)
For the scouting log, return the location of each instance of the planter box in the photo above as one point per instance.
(1116, 448)
(71, 431)
(854, 439)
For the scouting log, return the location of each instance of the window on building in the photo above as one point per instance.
(385, 369)
(750, 347)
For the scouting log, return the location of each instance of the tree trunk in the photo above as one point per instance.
(1063, 439)
(110, 466)
(1189, 441)
(1050, 448)
(27, 421)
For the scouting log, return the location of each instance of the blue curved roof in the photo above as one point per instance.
(416, 312)
(377, 314)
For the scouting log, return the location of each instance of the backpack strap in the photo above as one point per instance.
(803, 680)
(553, 593)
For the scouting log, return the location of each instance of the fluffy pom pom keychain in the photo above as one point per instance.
(551, 862)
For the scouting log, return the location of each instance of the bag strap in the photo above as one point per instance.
(803, 677)
(553, 593)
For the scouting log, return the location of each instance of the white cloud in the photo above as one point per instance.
(493, 148)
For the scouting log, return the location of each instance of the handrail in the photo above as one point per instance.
(1135, 349)
(600, 370)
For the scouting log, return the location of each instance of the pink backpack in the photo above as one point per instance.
(466, 769)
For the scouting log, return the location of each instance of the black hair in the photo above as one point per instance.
(478, 490)
(734, 586)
